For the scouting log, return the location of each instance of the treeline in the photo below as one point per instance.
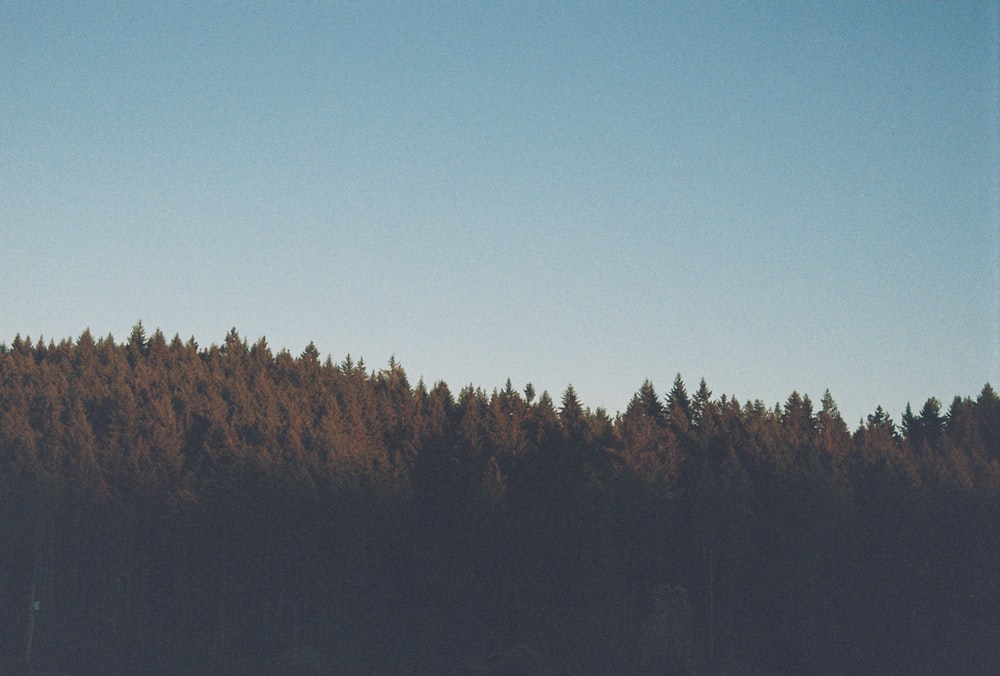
(168, 508)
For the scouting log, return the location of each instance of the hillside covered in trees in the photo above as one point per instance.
(169, 508)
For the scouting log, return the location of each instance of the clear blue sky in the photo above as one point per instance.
(777, 197)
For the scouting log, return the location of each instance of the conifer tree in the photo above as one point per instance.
(646, 402)
(168, 501)
(987, 413)
(833, 437)
(572, 416)
(701, 400)
(924, 430)
(679, 409)
(137, 341)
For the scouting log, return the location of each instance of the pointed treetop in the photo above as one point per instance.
(880, 418)
(703, 395)
(798, 405)
(545, 401)
(829, 418)
(988, 397)
(702, 398)
(233, 340)
(570, 402)
(137, 339)
(157, 343)
(572, 415)
(310, 354)
(396, 374)
(907, 422)
(678, 392)
(828, 405)
(529, 393)
(678, 402)
(930, 417)
(958, 413)
(931, 410)
(86, 340)
(260, 350)
(646, 402)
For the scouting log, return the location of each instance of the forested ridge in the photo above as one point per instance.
(170, 508)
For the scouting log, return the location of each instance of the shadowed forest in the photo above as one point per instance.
(172, 509)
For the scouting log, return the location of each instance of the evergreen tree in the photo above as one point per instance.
(648, 446)
(572, 417)
(702, 398)
(646, 402)
(137, 345)
(908, 422)
(679, 408)
(174, 508)
(798, 428)
(923, 431)
(987, 413)
(834, 439)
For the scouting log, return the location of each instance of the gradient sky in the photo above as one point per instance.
(775, 197)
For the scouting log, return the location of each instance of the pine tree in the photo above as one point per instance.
(137, 345)
(646, 402)
(908, 423)
(883, 421)
(529, 393)
(647, 444)
(679, 410)
(702, 398)
(572, 416)
(987, 412)
(833, 437)
(310, 355)
(923, 431)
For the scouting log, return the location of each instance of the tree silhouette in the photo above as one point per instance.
(174, 508)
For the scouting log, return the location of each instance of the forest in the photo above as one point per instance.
(168, 508)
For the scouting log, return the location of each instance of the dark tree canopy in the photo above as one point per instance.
(171, 508)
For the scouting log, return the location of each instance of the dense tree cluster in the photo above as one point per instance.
(167, 508)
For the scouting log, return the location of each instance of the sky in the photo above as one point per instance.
(774, 197)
